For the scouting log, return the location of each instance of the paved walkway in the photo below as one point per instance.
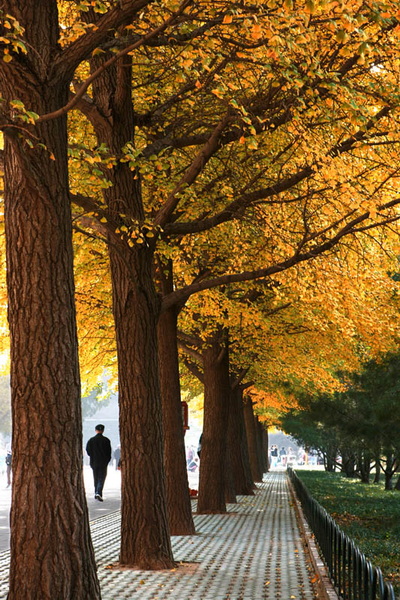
(254, 552)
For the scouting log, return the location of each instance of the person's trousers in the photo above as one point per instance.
(99, 476)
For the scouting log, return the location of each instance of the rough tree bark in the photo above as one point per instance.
(251, 432)
(51, 553)
(145, 541)
(389, 470)
(237, 445)
(262, 446)
(178, 500)
(216, 392)
(230, 492)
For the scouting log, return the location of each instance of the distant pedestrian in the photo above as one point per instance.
(274, 456)
(283, 456)
(191, 459)
(8, 465)
(117, 456)
(99, 450)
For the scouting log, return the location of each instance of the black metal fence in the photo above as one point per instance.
(352, 575)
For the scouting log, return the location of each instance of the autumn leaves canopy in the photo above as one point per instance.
(228, 174)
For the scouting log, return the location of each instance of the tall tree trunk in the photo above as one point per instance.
(348, 463)
(329, 463)
(237, 445)
(252, 439)
(261, 454)
(216, 392)
(377, 466)
(389, 471)
(364, 465)
(51, 552)
(177, 486)
(145, 541)
(230, 492)
(266, 449)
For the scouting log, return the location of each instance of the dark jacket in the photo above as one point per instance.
(99, 450)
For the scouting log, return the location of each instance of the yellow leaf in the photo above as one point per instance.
(310, 7)
(218, 92)
(227, 19)
(256, 33)
(342, 36)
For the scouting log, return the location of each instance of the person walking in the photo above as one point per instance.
(99, 451)
(117, 457)
(274, 456)
(283, 456)
(8, 465)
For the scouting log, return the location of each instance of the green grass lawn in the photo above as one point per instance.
(368, 514)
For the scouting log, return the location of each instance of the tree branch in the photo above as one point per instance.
(71, 57)
(189, 350)
(194, 369)
(232, 210)
(298, 257)
(192, 172)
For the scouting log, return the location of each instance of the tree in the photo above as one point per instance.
(272, 93)
(164, 146)
(360, 422)
(47, 441)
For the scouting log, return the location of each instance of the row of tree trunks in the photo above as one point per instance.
(262, 446)
(238, 445)
(252, 436)
(233, 457)
(111, 94)
(216, 413)
(45, 369)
